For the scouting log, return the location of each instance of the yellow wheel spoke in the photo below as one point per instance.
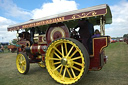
(76, 58)
(69, 73)
(69, 51)
(61, 69)
(73, 73)
(57, 67)
(65, 44)
(57, 63)
(22, 67)
(22, 57)
(57, 55)
(18, 60)
(64, 72)
(62, 49)
(57, 50)
(80, 64)
(54, 59)
(76, 68)
(73, 53)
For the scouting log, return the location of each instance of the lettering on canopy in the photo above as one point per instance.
(60, 19)
(44, 22)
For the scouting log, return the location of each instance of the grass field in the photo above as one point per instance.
(115, 72)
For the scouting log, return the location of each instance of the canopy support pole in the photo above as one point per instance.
(102, 26)
(17, 35)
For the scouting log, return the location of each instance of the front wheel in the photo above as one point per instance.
(22, 63)
(67, 60)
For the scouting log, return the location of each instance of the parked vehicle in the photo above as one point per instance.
(126, 40)
(52, 44)
(113, 40)
(13, 48)
(121, 40)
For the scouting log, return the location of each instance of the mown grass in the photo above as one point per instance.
(115, 72)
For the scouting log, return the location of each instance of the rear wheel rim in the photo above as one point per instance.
(62, 63)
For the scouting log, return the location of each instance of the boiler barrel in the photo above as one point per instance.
(35, 48)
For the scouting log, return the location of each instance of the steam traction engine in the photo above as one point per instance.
(50, 43)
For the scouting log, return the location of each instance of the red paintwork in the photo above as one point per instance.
(35, 52)
(98, 44)
(34, 49)
(56, 35)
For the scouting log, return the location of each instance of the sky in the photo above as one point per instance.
(18, 11)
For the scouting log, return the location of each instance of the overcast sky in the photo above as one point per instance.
(17, 11)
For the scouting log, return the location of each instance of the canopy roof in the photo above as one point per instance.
(92, 13)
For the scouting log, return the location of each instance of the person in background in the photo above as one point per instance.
(97, 33)
(2, 48)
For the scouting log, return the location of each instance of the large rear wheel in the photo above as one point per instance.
(67, 60)
(22, 63)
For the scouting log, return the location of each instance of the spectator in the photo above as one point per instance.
(2, 48)
(96, 33)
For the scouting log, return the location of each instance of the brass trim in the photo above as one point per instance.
(39, 49)
(43, 41)
(31, 48)
(104, 46)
